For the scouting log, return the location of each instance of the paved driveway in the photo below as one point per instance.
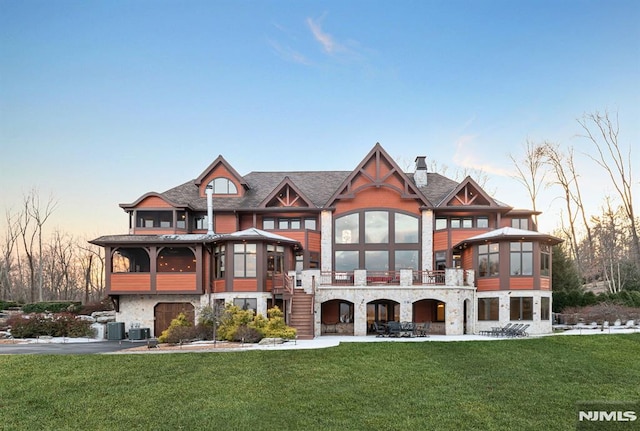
(68, 348)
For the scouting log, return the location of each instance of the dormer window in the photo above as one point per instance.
(223, 186)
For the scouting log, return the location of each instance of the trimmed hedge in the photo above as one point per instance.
(52, 307)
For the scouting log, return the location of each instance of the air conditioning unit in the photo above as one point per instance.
(139, 333)
(115, 331)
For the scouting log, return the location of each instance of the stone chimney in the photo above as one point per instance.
(420, 175)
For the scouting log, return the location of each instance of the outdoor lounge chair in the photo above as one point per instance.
(422, 329)
(379, 329)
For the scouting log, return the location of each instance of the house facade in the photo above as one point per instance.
(337, 251)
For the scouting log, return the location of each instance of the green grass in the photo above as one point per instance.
(528, 384)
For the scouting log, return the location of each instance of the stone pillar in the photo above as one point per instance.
(360, 277)
(326, 240)
(427, 240)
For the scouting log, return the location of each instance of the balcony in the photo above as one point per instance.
(404, 277)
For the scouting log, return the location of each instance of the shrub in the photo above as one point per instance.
(276, 326)
(103, 305)
(56, 325)
(5, 305)
(180, 329)
(52, 307)
(238, 325)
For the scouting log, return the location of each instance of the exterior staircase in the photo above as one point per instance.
(301, 316)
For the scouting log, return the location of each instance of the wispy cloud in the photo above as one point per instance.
(465, 156)
(328, 43)
(289, 54)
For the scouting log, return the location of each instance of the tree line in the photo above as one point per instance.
(601, 250)
(35, 267)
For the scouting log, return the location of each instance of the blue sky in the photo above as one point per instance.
(103, 101)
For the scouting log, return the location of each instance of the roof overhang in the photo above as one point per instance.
(509, 234)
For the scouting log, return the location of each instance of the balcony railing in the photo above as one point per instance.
(391, 278)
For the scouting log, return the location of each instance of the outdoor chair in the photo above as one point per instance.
(379, 329)
(394, 329)
(407, 329)
(422, 329)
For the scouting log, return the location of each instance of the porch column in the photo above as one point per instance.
(360, 318)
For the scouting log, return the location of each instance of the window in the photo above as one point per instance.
(441, 223)
(376, 227)
(521, 258)
(247, 304)
(377, 241)
(154, 219)
(275, 259)
(456, 223)
(176, 259)
(488, 308)
(130, 260)
(347, 229)
(201, 222)
(406, 229)
(347, 260)
(181, 222)
(467, 223)
(219, 259)
(376, 260)
(244, 260)
(521, 308)
(310, 223)
(482, 222)
(488, 260)
(520, 223)
(268, 224)
(346, 312)
(441, 260)
(545, 260)
(223, 186)
(545, 308)
(406, 259)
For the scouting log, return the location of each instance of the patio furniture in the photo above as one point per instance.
(407, 329)
(379, 329)
(394, 329)
(422, 329)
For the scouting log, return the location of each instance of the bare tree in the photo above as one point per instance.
(32, 220)
(92, 263)
(531, 172)
(603, 132)
(6, 255)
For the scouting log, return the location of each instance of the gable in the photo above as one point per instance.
(151, 200)
(377, 172)
(225, 180)
(286, 195)
(469, 193)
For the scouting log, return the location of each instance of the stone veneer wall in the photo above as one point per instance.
(537, 326)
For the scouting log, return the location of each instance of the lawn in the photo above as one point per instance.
(524, 384)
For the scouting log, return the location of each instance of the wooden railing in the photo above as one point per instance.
(383, 277)
(336, 278)
(436, 278)
(281, 283)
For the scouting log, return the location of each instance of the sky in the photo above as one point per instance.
(104, 101)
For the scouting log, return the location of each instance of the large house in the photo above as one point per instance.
(337, 251)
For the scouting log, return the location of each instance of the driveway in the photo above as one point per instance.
(68, 348)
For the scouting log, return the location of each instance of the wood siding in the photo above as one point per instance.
(487, 284)
(224, 223)
(378, 198)
(521, 283)
(245, 285)
(153, 202)
(178, 282)
(545, 283)
(130, 282)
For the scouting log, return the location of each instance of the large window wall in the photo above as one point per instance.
(376, 240)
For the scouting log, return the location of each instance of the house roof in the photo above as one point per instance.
(509, 233)
(252, 234)
(317, 188)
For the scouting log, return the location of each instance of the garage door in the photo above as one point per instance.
(165, 312)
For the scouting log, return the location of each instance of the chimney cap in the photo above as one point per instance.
(421, 163)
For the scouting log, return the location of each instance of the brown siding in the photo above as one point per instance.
(378, 198)
(130, 282)
(153, 202)
(176, 282)
(245, 285)
(225, 223)
(219, 286)
(545, 283)
(521, 283)
(313, 241)
(485, 284)
(441, 241)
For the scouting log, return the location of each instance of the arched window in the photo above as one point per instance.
(130, 260)
(176, 259)
(223, 186)
(376, 240)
